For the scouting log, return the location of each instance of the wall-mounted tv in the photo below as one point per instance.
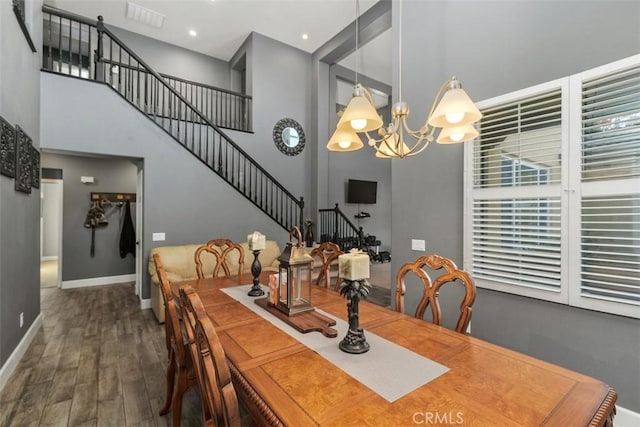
(362, 192)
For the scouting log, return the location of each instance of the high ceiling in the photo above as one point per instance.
(222, 25)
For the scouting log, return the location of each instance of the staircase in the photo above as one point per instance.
(191, 114)
(334, 226)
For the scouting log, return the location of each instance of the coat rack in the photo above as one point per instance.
(114, 198)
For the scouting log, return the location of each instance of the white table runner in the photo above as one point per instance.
(388, 369)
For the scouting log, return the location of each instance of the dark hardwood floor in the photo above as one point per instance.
(98, 360)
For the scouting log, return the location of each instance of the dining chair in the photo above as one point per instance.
(221, 250)
(431, 288)
(166, 294)
(180, 361)
(328, 253)
(220, 405)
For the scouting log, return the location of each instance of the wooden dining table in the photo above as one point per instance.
(283, 382)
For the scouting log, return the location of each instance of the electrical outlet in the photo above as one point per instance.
(157, 237)
(21, 319)
(417, 245)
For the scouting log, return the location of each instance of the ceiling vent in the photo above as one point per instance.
(144, 15)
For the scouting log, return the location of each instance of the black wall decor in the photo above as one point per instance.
(35, 167)
(7, 149)
(23, 161)
(19, 10)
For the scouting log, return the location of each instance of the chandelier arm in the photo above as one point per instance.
(368, 95)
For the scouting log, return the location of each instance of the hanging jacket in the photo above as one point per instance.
(128, 234)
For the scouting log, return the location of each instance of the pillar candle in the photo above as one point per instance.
(354, 265)
(256, 241)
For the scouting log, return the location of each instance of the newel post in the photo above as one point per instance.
(335, 223)
(99, 52)
(301, 204)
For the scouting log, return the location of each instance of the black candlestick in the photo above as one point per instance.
(354, 342)
(256, 268)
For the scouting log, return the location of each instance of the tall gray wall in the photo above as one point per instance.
(19, 212)
(176, 61)
(279, 80)
(111, 175)
(182, 198)
(495, 48)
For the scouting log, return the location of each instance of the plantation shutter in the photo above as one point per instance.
(516, 194)
(610, 187)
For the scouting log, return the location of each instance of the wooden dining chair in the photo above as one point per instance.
(219, 400)
(327, 253)
(180, 362)
(431, 288)
(220, 249)
(166, 294)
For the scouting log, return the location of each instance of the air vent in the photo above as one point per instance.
(144, 15)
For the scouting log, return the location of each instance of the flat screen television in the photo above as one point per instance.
(362, 192)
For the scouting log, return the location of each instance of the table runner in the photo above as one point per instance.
(388, 369)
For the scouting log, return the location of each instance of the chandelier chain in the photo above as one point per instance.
(357, 39)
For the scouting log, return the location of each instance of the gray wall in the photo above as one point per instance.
(51, 212)
(279, 79)
(176, 61)
(111, 176)
(182, 198)
(19, 212)
(495, 48)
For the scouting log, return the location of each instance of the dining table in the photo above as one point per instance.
(415, 372)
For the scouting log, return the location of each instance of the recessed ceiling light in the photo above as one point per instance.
(193, 33)
(305, 36)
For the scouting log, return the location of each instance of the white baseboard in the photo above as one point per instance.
(145, 304)
(98, 281)
(50, 258)
(626, 418)
(13, 360)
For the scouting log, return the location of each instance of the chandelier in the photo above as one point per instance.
(452, 112)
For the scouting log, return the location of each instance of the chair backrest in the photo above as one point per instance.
(431, 288)
(328, 253)
(220, 249)
(173, 332)
(214, 377)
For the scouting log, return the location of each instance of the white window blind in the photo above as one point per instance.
(610, 190)
(552, 191)
(516, 207)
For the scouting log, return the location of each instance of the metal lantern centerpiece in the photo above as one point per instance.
(294, 277)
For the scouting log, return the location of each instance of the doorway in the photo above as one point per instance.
(51, 233)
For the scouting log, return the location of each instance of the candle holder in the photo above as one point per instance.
(256, 269)
(354, 342)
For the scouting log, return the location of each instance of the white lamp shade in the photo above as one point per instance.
(344, 140)
(384, 152)
(455, 134)
(454, 109)
(362, 111)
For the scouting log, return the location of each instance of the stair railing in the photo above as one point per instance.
(334, 226)
(69, 49)
(225, 108)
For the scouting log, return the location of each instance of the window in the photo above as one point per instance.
(553, 191)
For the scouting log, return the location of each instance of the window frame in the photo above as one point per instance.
(570, 191)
